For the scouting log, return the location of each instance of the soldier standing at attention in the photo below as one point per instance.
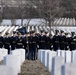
(56, 40)
(19, 41)
(47, 40)
(34, 46)
(29, 45)
(67, 41)
(72, 41)
(7, 42)
(38, 37)
(42, 40)
(62, 40)
(26, 46)
(13, 40)
(1, 41)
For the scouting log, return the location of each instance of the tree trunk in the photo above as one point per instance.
(50, 20)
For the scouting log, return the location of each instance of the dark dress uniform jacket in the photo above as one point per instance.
(56, 42)
(7, 44)
(42, 42)
(62, 42)
(1, 42)
(28, 41)
(72, 43)
(47, 42)
(13, 42)
(34, 42)
(19, 42)
(67, 42)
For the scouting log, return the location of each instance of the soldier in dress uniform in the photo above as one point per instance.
(38, 37)
(34, 46)
(29, 45)
(62, 40)
(19, 41)
(72, 41)
(47, 40)
(1, 41)
(56, 40)
(51, 41)
(67, 41)
(26, 46)
(7, 42)
(42, 42)
(13, 40)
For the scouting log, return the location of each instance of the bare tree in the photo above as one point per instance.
(21, 9)
(49, 9)
(24, 10)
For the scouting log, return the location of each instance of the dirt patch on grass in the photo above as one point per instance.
(33, 68)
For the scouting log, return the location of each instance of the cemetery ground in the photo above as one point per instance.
(33, 68)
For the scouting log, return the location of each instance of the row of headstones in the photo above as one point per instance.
(11, 63)
(65, 29)
(37, 28)
(10, 29)
(60, 62)
(64, 21)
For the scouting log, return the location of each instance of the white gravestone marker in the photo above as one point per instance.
(57, 62)
(13, 62)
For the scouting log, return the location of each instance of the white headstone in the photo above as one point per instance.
(57, 62)
(58, 52)
(63, 54)
(18, 54)
(3, 53)
(46, 53)
(41, 55)
(69, 69)
(73, 57)
(5, 70)
(68, 56)
(22, 54)
(44, 58)
(1, 57)
(50, 55)
(13, 62)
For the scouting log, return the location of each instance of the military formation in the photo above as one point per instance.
(32, 42)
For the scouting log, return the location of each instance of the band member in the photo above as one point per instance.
(7, 42)
(1, 41)
(13, 40)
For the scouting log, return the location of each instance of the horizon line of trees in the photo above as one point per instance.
(46, 9)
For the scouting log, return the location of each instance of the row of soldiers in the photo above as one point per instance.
(32, 41)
